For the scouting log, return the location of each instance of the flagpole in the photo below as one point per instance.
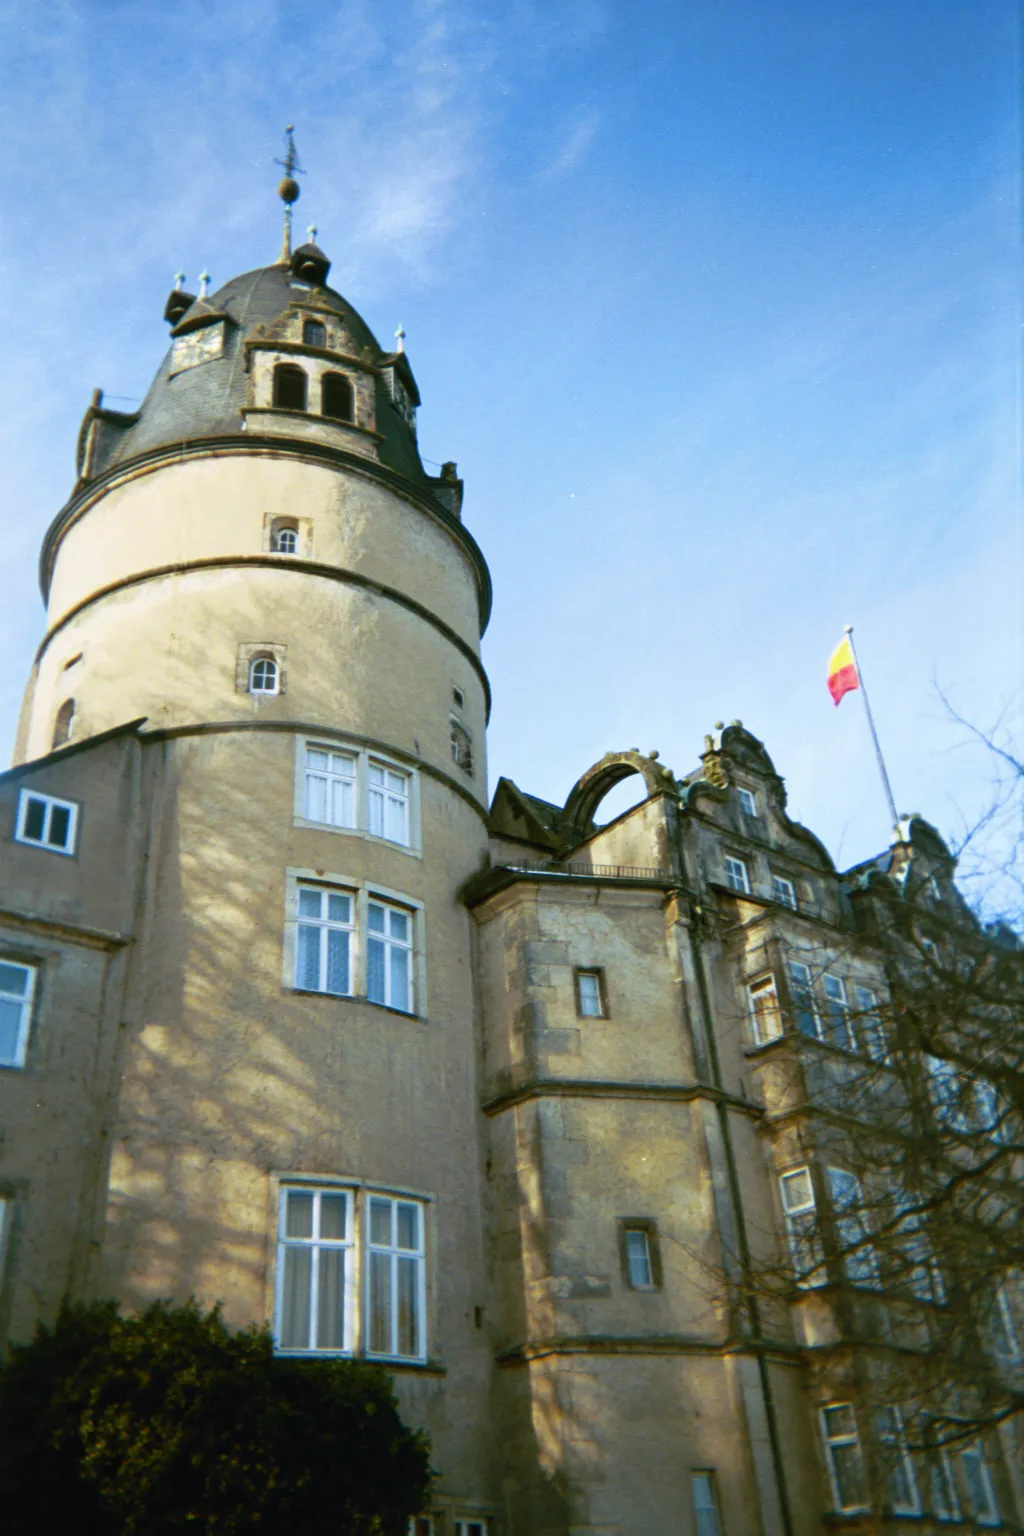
(874, 734)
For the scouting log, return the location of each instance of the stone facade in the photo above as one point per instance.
(278, 946)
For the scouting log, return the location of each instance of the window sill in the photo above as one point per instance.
(357, 997)
(386, 1362)
(28, 842)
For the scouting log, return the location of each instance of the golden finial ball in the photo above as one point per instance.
(288, 191)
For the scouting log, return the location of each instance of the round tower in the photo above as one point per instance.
(257, 571)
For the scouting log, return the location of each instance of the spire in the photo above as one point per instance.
(288, 190)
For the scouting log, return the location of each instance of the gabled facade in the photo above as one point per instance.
(503, 1099)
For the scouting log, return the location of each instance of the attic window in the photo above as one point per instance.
(336, 397)
(284, 536)
(314, 333)
(289, 387)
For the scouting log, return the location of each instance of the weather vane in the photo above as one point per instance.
(288, 191)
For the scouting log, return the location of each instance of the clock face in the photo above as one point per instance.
(197, 347)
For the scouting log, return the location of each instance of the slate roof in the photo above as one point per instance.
(207, 400)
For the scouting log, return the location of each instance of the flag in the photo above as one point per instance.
(842, 670)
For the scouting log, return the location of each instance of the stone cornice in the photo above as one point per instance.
(252, 445)
(594, 1088)
(639, 1344)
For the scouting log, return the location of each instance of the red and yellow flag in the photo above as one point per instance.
(842, 670)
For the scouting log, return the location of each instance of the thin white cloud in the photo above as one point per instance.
(574, 148)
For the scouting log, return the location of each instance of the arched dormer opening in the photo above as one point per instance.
(337, 397)
(264, 676)
(284, 536)
(290, 387)
(63, 722)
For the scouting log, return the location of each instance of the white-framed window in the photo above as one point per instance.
(737, 877)
(264, 676)
(1003, 1326)
(801, 1219)
(330, 785)
(766, 1019)
(46, 822)
(900, 1482)
(395, 1279)
(852, 1232)
(748, 802)
(705, 1503)
(590, 1002)
(472, 1525)
(837, 1013)
(325, 922)
(315, 1270)
(17, 992)
(784, 891)
(869, 1024)
(843, 1457)
(981, 1494)
(640, 1271)
(805, 1008)
(388, 798)
(285, 540)
(389, 956)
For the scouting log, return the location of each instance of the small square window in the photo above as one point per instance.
(46, 822)
(458, 698)
(314, 333)
(639, 1253)
(748, 802)
(736, 875)
(784, 891)
(590, 995)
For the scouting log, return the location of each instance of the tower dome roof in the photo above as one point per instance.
(202, 388)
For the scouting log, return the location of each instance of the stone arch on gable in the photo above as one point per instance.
(576, 823)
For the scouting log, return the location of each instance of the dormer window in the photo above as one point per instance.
(337, 399)
(263, 675)
(314, 333)
(284, 536)
(290, 385)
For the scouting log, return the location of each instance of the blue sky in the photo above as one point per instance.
(716, 303)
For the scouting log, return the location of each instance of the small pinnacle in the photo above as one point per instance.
(179, 281)
(311, 231)
(719, 725)
(204, 283)
(400, 338)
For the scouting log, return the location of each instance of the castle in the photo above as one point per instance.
(293, 1018)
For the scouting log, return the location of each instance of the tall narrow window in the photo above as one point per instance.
(802, 1226)
(290, 385)
(264, 677)
(843, 1454)
(337, 399)
(638, 1248)
(323, 941)
(705, 1503)
(869, 1024)
(852, 1232)
(900, 1482)
(942, 1495)
(389, 803)
(395, 1279)
(462, 747)
(17, 989)
(46, 822)
(837, 1013)
(389, 956)
(590, 994)
(978, 1479)
(330, 787)
(805, 1009)
(62, 723)
(314, 333)
(736, 875)
(314, 1270)
(764, 1010)
(784, 891)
